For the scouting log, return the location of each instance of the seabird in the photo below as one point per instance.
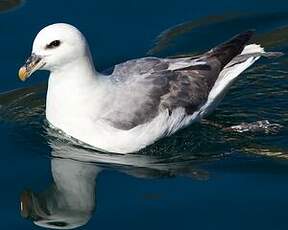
(142, 100)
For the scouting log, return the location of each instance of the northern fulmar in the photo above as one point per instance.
(143, 99)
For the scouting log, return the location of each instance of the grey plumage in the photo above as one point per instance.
(167, 84)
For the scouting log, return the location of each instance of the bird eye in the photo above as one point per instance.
(53, 44)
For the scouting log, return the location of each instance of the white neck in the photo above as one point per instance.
(70, 89)
(80, 71)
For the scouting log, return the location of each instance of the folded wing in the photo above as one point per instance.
(149, 86)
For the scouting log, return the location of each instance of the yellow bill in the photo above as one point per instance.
(33, 63)
(23, 73)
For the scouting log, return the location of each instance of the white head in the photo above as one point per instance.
(54, 47)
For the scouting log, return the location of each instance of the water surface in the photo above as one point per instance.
(204, 177)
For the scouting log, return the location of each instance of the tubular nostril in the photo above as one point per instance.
(32, 60)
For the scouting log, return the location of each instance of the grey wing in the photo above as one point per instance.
(148, 86)
(144, 93)
(137, 68)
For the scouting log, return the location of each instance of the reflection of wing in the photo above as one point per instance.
(148, 86)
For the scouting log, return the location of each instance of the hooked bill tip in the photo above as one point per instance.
(23, 73)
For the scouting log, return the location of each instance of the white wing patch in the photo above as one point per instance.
(229, 74)
(184, 64)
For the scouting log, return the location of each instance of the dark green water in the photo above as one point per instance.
(201, 178)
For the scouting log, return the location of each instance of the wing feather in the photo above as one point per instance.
(148, 86)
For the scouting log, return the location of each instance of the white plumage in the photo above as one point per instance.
(139, 102)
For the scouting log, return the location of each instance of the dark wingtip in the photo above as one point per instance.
(240, 39)
(225, 52)
(244, 36)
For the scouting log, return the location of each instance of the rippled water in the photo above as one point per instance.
(204, 177)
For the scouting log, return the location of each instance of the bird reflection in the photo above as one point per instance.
(70, 200)
(67, 203)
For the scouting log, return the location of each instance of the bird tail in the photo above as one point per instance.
(250, 54)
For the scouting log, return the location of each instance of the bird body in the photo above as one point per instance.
(142, 100)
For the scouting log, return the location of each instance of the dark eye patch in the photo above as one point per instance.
(53, 44)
